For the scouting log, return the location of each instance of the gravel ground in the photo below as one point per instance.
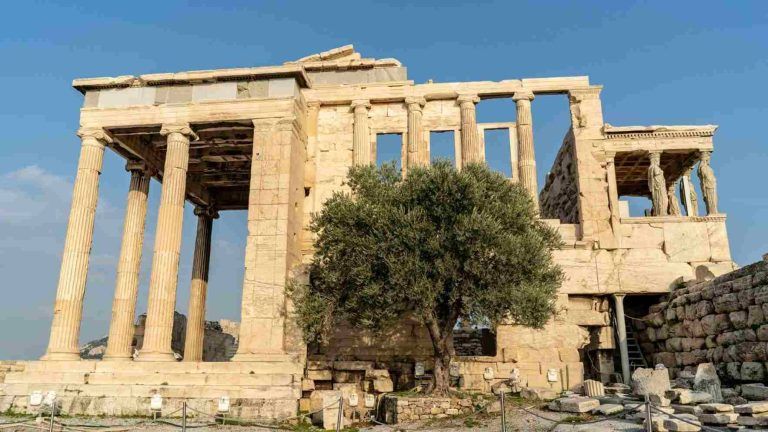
(517, 420)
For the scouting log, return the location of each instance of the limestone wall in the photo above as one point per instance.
(723, 320)
(559, 199)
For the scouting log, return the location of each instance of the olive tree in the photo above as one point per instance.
(441, 244)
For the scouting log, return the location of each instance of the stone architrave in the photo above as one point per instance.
(657, 185)
(708, 183)
(674, 205)
(121, 329)
(361, 140)
(526, 157)
(416, 148)
(193, 342)
(688, 193)
(165, 261)
(470, 138)
(68, 310)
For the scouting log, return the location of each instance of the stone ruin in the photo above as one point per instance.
(277, 141)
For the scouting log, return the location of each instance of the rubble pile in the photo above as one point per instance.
(688, 403)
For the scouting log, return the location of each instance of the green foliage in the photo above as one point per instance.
(441, 244)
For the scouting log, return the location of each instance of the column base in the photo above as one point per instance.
(61, 356)
(117, 358)
(155, 357)
(263, 357)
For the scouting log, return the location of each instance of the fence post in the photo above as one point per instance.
(648, 415)
(341, 414)
(503, 414)
(184, 416)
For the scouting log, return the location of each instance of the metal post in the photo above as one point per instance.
(184, 416)
(53, 414)
(503, 414)
(341, 414)
(648, 415)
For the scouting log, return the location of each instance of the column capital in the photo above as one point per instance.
(465, 98)
(654, 154)
(140, 166)
(618, 296)
(95, 132)
(705, 155)
(415, 103)
(610, 155)
(523, 94)
(360, 103)
(182, 128)
(208, 211)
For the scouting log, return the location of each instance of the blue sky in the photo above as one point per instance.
(661, 62)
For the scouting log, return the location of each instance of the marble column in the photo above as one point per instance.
(68, 309)
(621, 330)
(165, 261)
(688, 193)
(193, 343)
(361, 140)
(416, 146)
(127, 283)
(470, 138)
(526, 157)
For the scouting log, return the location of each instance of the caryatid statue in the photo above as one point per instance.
(686, 187)
(657, 185)
(708, 183)
(674, 205)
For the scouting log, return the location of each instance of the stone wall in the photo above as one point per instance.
(723, 320)
(397, 409)
(559, 199)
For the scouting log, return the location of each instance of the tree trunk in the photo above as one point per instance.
(442, 368)
(442, 343)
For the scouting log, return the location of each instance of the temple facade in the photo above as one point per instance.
(277, 141)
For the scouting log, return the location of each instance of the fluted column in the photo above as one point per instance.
(127, 284)
(361, 140)
(193, 343)
(68, 309)
(416, 148)
(688, 193)
(470, 139)
(526, 156)
(165, 261)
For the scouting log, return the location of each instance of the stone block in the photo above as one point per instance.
(539, 394)
(593, 388)
(675, 425)
(754, 392)
(576, 404)
(752, 371)
(714, 408)
(214, 91)
(718, 418)
(659, 400)
(326, 403)
(320, 375)
(608, 409)
(752, 408)
(752, 421)
(647, 381)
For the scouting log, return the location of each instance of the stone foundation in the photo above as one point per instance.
(261, 389)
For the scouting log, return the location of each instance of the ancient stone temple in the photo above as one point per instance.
(277, 141)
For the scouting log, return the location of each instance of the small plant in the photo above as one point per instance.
(581, 418)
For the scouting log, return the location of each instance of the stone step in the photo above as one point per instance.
(46, 377)
(284, 365)
(279, 379)
(147, 391)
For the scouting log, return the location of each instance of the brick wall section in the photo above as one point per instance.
(723, 321)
